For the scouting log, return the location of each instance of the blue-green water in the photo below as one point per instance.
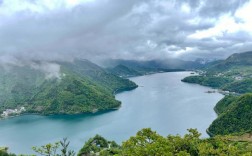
(161, 102)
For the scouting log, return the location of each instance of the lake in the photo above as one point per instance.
(161, 102)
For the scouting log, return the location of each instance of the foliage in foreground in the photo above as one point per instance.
(149, 143)
(56, 149)
(3, 152)
(100, 145)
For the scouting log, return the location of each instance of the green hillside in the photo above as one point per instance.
(225, 103)
(211, 81)
(234, 62)
(82, 87)
(124, 71)
(233, 74)
(241, 86)
(237, 117)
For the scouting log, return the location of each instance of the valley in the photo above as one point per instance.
(82, 82)
(156, 103)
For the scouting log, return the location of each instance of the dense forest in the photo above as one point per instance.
(149, 143)
(235, 116)
(77, 87)
(215, 82)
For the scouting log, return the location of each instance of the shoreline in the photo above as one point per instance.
(64, 114)
(75, 114)
(218, 91)
(118, 91)
(104, 119)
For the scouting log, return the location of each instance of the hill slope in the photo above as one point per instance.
(78, 87)
(124, 71)
(235, 118)
(233, 74)
(154, 64)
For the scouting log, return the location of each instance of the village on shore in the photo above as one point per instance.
(12, 112)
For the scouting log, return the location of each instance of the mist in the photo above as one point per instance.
(64, 30)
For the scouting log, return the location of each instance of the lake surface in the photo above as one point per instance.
(161, 102)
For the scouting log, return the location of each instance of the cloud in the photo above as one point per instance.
(51, 70)
(134, 29)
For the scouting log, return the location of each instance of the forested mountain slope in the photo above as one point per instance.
(233, 74)
(60, 87)
(235, 116)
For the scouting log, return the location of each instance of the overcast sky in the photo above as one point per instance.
(127, 29)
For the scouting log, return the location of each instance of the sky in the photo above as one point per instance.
(63, 30)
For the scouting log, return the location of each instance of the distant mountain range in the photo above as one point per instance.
(129, 68)
(236, 60)
(154, 64)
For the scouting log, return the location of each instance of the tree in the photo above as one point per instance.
(53, 149)
(147, 142)
(99, 146)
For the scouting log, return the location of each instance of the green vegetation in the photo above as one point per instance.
(150, 143)
(4, 152)
(144, 66)
(100, 145)
(124, 71)
(130, 71)
(224, 83)
(225, 103)
(79, 87)
(242, 86)
(211, 81)
(55, 149)
(234, 75)
(235, 116)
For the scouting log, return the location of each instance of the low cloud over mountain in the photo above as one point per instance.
(134, 29)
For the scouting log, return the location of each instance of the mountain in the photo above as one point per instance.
(154, 64)
(124, 71)
(78, 87)
(147, 142)
(129, 68)
(235, 62)
(233, 74)
(244, 58)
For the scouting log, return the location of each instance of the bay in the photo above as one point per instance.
(161, 102)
